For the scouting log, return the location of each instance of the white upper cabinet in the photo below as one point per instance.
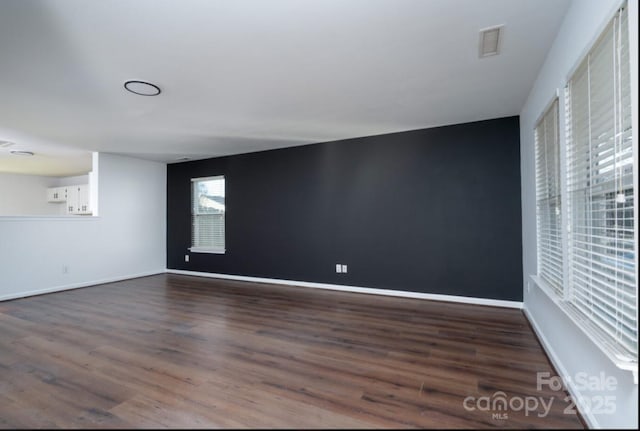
(76, 198)
(57, 194)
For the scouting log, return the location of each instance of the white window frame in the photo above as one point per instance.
(564, 299)
(545, 277)
(211, 250)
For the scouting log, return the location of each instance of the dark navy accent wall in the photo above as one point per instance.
(434, 210)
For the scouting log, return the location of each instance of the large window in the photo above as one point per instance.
(208, 215)
(600, 285)
(548, 199)
(588, 263)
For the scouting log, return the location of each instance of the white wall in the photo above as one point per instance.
(128, 238)
(569, 348)
(26, 195)
(72, 181)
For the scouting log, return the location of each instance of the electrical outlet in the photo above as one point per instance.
(344, 269)
(186, 258)
(338, 268)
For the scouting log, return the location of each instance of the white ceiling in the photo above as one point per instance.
(247, 75)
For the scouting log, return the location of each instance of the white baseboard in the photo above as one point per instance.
(77, 285)
(368, 290)
(592, 422)
(344, 288)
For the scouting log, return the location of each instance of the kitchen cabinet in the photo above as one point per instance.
(78, 199)
(57, 194)
(75, 198)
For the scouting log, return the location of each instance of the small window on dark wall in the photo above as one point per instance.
(208, 215)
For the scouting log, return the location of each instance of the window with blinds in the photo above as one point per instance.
(548, 200)
(208, 215)
(600, 194)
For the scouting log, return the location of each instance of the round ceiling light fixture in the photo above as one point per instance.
(22, 153)
(142, 88)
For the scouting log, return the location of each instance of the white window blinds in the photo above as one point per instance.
(548, 199)
(208, 214)
(600, 183)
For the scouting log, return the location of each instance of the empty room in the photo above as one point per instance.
(312, 214)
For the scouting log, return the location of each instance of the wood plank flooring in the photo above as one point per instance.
(186, 352)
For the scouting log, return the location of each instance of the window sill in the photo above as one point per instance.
(592, 332)
(207, 250)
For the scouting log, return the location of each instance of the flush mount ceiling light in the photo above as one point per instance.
(142, 88)
(22, 153)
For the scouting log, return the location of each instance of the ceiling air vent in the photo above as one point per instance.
(490, 41)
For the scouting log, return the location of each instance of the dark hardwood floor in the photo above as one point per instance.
(186, 352)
